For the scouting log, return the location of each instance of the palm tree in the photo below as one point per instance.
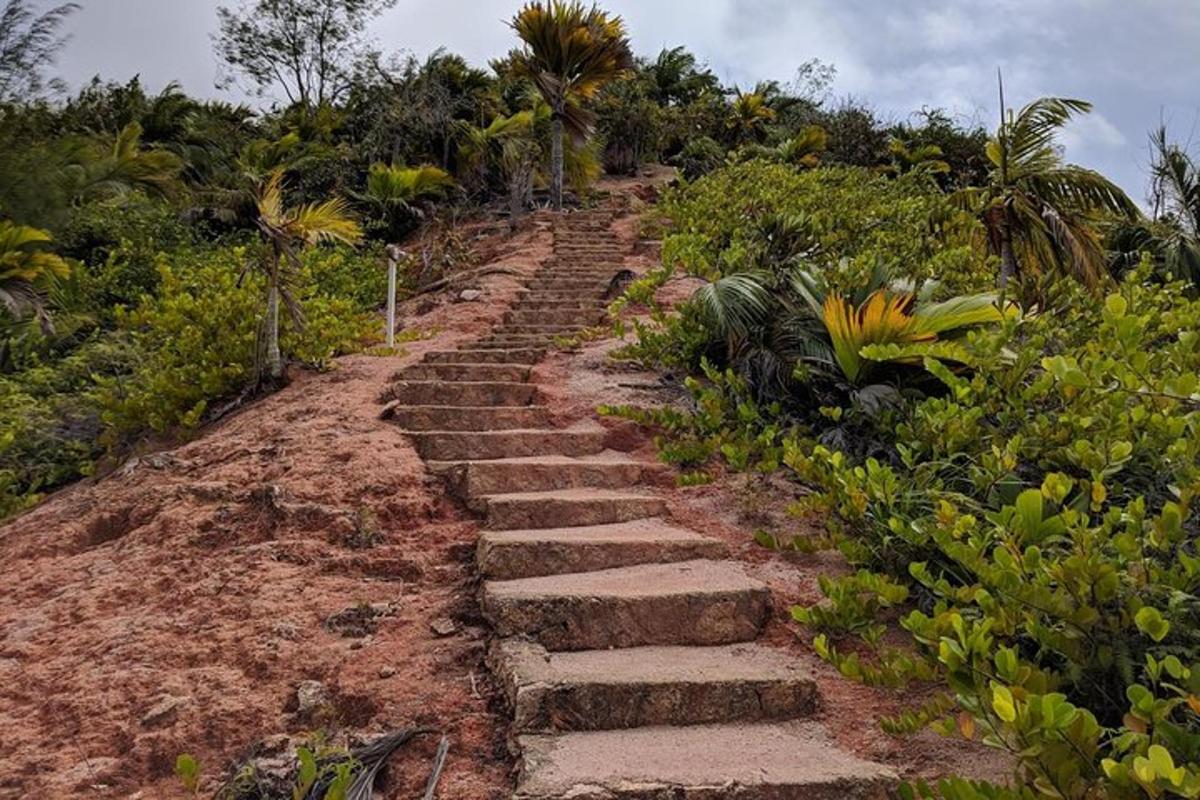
(1041, 214)
(843, 336)
(24, 261)
(914, 157)
(285, 232)
(676, 78)
(570, 52)
(749, 115)
(397, 193)
(480, 150)
(508, 147)
(1176, 194)
(802, 150)
(100, 173)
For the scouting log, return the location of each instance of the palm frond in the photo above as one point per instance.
(268, 198)
(954, 314)
(570, 51)
(388, 185)
(326, 222)
(1081, 189)
(735, 304)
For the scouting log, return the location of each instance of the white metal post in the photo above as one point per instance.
(393, 258)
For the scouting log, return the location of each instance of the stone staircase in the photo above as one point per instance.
(626, 645)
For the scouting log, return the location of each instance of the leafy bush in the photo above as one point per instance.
(1043, 512)
(120, 243)
(199, 338)
(725, 222)
(1033, 514)
(192, 342)
(699, 156)
(793, 281)
(50, 420)
(200, 333)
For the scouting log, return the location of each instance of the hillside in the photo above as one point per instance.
(178, 604)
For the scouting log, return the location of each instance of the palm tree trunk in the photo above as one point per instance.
(274, 356)
(516, 197)
(1008, 259)
(556, 163)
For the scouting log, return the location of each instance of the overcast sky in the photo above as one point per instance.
(1138, 61)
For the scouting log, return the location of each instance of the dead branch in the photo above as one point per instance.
(464, 276)
(439, 762)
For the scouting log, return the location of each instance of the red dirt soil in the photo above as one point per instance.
(176, 605)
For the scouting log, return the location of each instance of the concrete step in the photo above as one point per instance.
(565, 316)
(685, 603)
(510, 328)
(590, 273)
(524, 339)
(766, 761)
(598, 237)
(504, 373)
(594, 268)
(634, 687)
(595, 304)
(570, 284)
(462, 393)
(555, 295)
(594, 296)
(543, 340)
(533, 553)
(525, 355)
(470, 418)
(566, 508)
(546, 473)
(477, 446)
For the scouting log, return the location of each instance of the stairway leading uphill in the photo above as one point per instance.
(625, 645)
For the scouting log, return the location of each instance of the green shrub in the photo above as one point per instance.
(699, 156)
(1041, 513)
(1035, 512)
(199, 338)
(358, 276)
(50, 420)
(728, 222)
(200, 334)
(119, 246)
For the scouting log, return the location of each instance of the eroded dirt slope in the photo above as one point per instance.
(178, 604)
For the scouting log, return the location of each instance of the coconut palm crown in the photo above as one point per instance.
(1040, 214)
(570, 52)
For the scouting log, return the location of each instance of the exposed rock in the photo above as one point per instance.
(444, 626)
(354, 622)
(286, 630)
(164, 711)
(468, 295)
(311, 697)
(387, 671)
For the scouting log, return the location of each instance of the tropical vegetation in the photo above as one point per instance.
(979, 360)
(164, 258)
(988, 387)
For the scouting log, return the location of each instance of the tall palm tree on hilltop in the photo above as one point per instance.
(570, 52)
(1039, 213)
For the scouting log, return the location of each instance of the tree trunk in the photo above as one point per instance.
(1008, 258)
(516, 198)
(556, 164)
(273, 356)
